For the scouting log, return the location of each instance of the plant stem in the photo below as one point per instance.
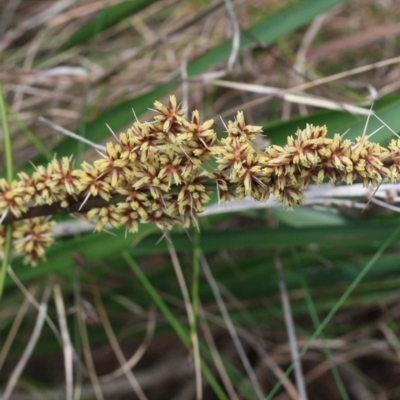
(180, 331)
(7, 138)
(10, 176)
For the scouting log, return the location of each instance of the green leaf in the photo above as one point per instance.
(389, 114)
(307, 217)
(101, 246)
(105, 19)
(340, 122)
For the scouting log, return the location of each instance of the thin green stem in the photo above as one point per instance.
(179, 329)
(29, 134)
(156, 298)
(195, 281)
(7, 138)
(10, 176)
(335, 308)
(6, 258)
(327, 352)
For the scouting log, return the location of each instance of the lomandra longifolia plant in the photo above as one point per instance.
(162, 172)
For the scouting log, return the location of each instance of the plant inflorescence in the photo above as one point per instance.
(163, 171)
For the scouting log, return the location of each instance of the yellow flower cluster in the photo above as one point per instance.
(309, 157)
(156, 172)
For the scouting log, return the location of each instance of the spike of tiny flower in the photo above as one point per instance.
(155, 172)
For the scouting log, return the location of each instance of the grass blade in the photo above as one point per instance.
(178, 328)
(107, 18)
(10, 176)
(338, 305)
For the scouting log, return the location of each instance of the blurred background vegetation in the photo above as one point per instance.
(87, 63)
